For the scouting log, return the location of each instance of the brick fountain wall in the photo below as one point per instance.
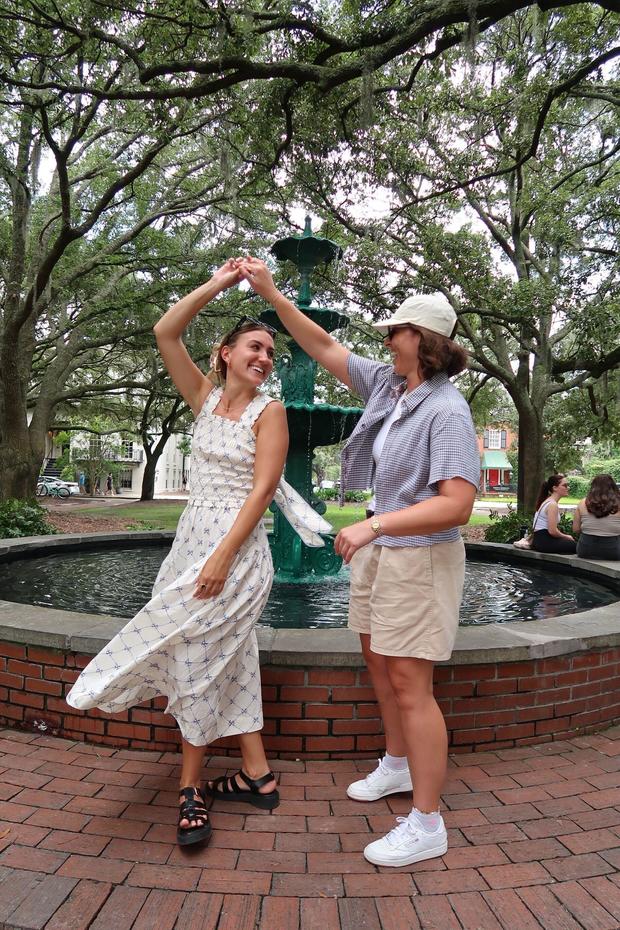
(325, 713)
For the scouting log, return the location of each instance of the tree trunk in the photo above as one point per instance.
(148, 478)
(531, 456)
(152, 454)
(19, 469)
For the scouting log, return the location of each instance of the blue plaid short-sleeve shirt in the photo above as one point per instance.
(433, 440)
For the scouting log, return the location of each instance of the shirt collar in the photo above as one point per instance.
(398, 388)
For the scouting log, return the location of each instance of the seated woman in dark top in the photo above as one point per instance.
(547, 536)
(597, 519)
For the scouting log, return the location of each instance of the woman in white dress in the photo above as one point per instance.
(195, 641)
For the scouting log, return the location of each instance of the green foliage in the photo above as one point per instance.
(23, 518)
(578, 486)
(565, 523)
(351, 497)
(604, 467)
(507, 527)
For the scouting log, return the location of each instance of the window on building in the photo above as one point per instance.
(125, 478)
(495, 439)
(94, 447)
(127, 448)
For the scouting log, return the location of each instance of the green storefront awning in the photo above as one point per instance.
(495, 459)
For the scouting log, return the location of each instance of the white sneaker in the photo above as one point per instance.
(380, 783)
(407, 843)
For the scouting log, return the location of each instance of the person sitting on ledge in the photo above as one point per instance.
(547, 536)
(597, 519)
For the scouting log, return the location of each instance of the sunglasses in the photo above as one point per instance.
(253, 322)
(391, 330)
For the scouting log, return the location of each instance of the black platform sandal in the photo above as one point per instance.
(226, 788)
(193, 808)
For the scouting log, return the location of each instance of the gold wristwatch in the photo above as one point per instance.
(375, 526)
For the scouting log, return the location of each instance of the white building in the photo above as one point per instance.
(171, 474)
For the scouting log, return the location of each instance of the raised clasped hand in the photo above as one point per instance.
(352, 538)
(213, 575)
(228, 274)
(257, 274)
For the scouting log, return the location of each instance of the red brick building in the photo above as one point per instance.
(495, 468)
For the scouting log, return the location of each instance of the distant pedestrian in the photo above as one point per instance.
(109, 485)
(82, 482)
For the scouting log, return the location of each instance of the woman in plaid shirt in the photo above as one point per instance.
(416, 446)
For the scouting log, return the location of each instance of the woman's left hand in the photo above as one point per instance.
(213, 575)
(352, 538)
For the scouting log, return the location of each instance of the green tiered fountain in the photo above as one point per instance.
(310, 425)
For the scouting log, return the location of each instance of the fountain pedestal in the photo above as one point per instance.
(310, 424)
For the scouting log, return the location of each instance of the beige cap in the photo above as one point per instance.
(431, 311)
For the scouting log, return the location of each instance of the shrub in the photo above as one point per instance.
(507, 527)
(326, 494)
(356, 497)
(565, 524)
(23, 518)
(604, 467)
(578, 486)
(351, 497)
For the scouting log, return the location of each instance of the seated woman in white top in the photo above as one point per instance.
(597, 519)
(547, 536)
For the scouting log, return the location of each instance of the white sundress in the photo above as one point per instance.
(202, 654)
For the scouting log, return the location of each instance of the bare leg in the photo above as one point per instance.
(423, 727)
(254, 759)
(395, 743)
(190, 772)
(254, 762)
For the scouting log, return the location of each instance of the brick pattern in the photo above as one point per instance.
(331, 712)
(72, 860)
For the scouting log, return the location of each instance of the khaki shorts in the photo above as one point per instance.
(408, 598)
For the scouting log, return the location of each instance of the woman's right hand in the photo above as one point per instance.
(227, 275)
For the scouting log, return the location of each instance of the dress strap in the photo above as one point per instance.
(212, 400)
(254, 409)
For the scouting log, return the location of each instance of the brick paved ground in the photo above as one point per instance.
(87, 840)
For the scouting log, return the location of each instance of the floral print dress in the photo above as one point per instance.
(202, 654)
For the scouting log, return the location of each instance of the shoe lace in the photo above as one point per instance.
(378, 772)
(400, 831)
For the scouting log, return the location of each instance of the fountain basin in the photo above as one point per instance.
(506, 684)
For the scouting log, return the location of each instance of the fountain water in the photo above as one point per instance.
(310, 424)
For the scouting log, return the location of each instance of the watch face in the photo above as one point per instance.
(375, 526)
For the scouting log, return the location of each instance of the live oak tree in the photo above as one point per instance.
(122, 121)
(495, 178)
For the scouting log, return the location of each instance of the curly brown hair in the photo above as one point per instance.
(438, 353)
(603, 497)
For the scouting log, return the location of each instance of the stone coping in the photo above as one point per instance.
(84, 633)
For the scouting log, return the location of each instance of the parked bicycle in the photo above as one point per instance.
(50, 489)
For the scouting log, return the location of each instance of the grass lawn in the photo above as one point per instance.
(160, 515)
(157, 514)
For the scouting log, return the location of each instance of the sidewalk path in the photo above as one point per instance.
(87, 841)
